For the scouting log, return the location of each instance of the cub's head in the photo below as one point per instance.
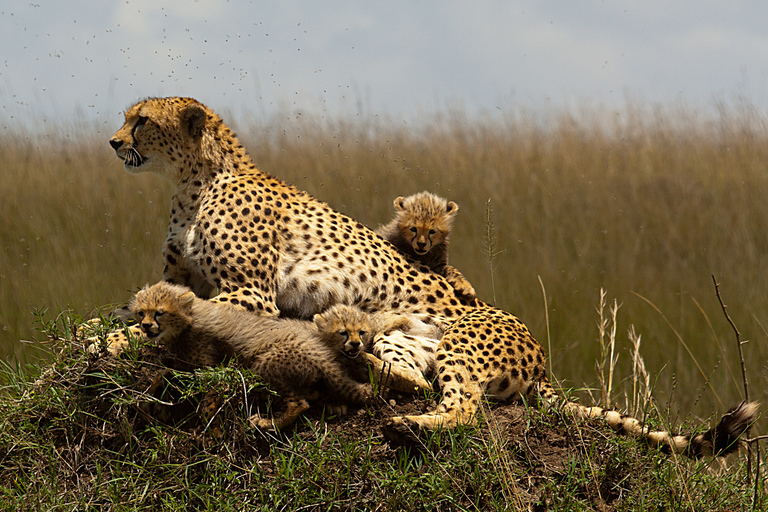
(345, 329)
(163, 310)
(163, 135)
(425, 220)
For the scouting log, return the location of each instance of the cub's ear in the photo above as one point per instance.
(193, 118)
(319, 321)
(187, 298)
(400, 204)
(452, 208)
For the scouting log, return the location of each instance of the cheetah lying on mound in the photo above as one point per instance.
(349, 332)
(420, 230)
(293, 356)
(272, 249)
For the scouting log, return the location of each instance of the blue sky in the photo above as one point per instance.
(91, 59)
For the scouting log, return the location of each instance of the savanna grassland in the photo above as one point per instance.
(646, 203)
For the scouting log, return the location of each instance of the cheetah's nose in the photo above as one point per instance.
(115, 143)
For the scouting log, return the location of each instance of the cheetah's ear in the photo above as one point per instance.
(187, 298)
(193, 118)
(319, 321)
(400, 204)
(451, 208)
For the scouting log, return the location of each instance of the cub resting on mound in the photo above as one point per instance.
(273, 249)
(291, 355)
(349, 332)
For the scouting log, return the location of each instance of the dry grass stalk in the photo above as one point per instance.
(549, 337)
(641, 381)
(490, 244)
(607, 339)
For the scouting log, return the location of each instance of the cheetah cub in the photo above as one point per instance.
(420, 230)
(349, 333)
(288, 354)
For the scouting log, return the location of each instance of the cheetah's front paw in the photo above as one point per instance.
(396, 378)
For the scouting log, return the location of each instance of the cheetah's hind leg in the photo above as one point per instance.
(478, 355)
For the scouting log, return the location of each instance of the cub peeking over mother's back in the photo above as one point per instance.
(421, 229)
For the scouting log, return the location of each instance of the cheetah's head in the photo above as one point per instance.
(163, 310)
(160, 134)
(345, 329)
(424, 220)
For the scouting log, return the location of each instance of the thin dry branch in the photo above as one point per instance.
(739, 343)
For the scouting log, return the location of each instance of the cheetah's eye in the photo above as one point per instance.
(140, 123)
(432, 232)
(362, 334)
(344, 334)
(413, 230)
(158, 314)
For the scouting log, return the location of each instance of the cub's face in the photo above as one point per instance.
(157, 323)
(422, 237)
(424, 220)
(162, 312)
(345, 329)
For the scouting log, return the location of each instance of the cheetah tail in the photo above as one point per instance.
(718, 441)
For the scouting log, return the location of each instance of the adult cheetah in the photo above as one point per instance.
(271, 249)
(421, 229)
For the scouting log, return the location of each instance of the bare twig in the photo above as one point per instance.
(739, 343)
